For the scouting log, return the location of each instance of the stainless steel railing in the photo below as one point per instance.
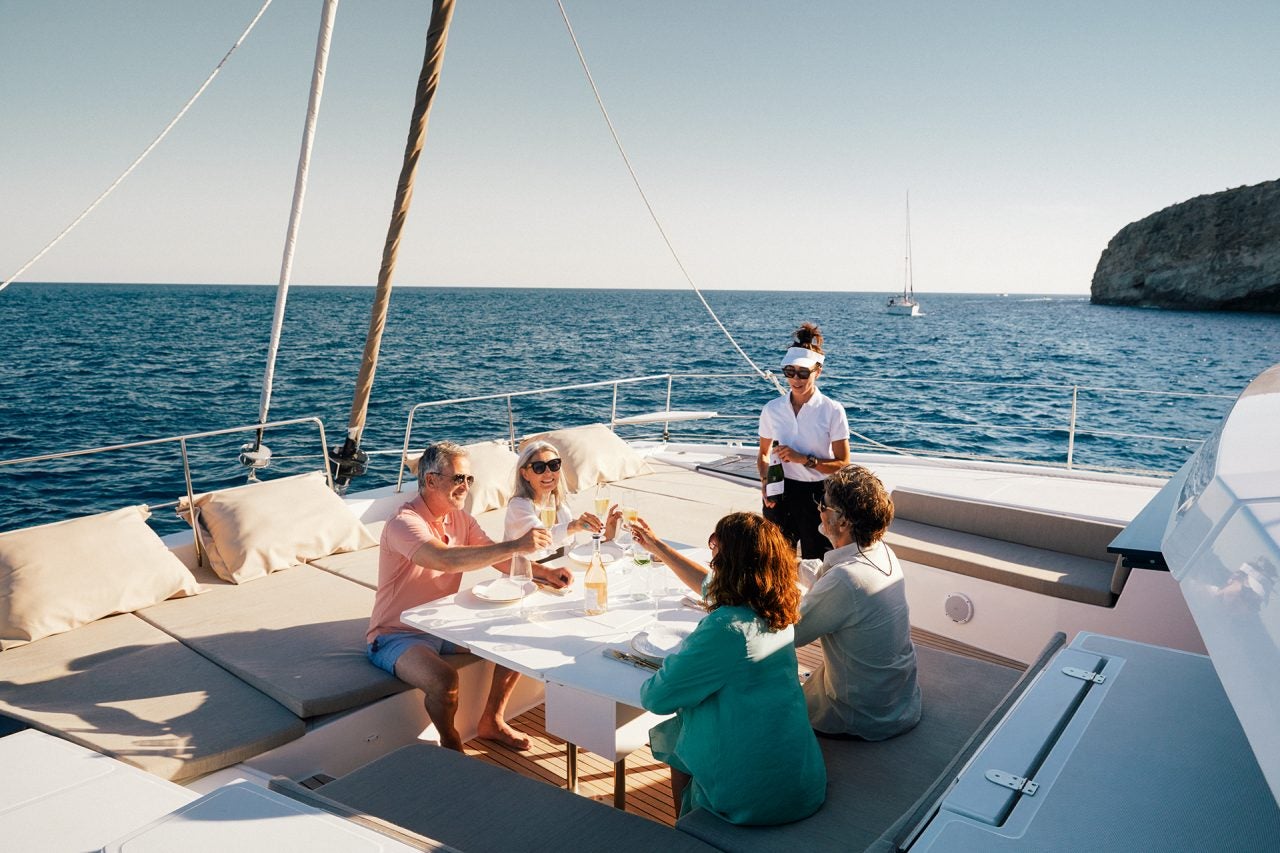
(182, 441)
(1071, 429)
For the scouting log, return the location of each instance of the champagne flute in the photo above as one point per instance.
(602, 502)
(629, 515)
(547, 514)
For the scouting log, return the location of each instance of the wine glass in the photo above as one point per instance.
(629, 514)
(602, 502)
(522, 576)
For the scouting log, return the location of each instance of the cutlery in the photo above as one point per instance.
(634, 660)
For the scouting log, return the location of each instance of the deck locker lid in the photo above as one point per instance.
(987, 792)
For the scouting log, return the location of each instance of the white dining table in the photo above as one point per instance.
(592, 700)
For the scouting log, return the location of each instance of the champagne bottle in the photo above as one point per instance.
(596, 583)
(774, 481)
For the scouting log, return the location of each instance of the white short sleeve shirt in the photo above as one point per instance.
(820, 422)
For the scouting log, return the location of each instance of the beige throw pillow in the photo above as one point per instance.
(250, 531)
(494, 467)
(592, 454)
(57, 577)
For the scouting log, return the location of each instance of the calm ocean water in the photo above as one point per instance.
(89, 365)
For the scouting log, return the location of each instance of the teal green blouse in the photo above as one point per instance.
(741, 729)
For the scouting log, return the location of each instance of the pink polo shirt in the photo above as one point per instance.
(401, 582)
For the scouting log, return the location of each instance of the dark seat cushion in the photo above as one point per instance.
(477, 807)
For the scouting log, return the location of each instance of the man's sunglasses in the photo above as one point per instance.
(540, 467)
(796, 372)
(458, 479)
(824, 507)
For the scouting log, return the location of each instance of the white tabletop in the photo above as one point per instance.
(556, 641)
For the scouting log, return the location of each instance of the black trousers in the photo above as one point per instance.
(796, 512)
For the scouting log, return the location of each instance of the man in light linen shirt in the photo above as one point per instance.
(425, 548)
(866, 686)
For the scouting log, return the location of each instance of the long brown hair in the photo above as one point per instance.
(754, 566)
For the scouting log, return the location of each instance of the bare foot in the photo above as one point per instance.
(501, 732)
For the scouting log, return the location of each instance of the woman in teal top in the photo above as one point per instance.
(740, 744)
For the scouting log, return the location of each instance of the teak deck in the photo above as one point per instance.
(648, 780)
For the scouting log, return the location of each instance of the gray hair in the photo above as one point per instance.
(434, 456)
(522, 488)
(860, 497)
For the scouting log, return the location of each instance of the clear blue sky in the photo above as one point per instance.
(776, 140)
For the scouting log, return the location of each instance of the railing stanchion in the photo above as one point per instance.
(191, 499)
(1071, 430)
(613, 411)
(511, 425)
(666, 425)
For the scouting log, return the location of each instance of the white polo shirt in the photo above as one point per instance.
(820, 422)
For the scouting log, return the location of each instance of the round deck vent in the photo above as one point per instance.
(959, 607)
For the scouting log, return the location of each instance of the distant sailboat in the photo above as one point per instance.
(906, 304)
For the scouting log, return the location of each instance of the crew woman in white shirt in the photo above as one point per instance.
(812, 432)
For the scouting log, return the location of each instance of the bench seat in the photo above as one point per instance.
(122, 687)
(474, 806)
(296, 635)
(1042, 552)
(870, 785)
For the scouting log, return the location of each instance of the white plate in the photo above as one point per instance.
(498, 591)
(609, 551)
(660, 640)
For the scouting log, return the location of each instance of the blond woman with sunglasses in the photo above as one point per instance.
(812, 433)
(539, 482)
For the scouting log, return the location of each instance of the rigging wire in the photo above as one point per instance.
(143, 155)
(662, 232)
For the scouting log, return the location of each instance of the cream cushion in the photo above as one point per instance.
(494, 467)
(57, 577)
(250, 531)
(592, 454)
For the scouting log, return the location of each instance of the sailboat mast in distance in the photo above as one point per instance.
(906, 304)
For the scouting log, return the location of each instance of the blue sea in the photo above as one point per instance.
(90, 365)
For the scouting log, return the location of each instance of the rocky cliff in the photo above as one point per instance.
(1219, 252)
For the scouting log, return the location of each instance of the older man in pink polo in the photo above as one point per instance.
(425, 548)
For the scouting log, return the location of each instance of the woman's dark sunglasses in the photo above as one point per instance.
(796, 372)
(540, 467)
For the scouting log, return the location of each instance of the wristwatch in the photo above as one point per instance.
(811, 462)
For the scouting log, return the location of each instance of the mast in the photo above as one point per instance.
(349, 460)
(908, 284)
(255, 454)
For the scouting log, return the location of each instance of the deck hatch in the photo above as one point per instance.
(1008, 763)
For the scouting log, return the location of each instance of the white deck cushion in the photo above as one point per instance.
(121, 687)
(297, 636)
(494, 467)
(251, 531)
(56, 577)
(592, 454)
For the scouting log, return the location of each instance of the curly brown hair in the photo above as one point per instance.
(860, 497)
(808, 336)
(754, 566)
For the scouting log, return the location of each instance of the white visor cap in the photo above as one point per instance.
(801, 357)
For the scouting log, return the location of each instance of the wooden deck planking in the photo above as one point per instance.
(648, 780)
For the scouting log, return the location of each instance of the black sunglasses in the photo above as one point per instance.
(458, 479)
(796, 372)
(541, 467)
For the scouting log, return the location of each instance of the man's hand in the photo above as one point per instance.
(558, 578)
(537, 539)
(786, 454)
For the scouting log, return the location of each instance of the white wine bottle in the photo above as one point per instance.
(596, 584)
(774, 480)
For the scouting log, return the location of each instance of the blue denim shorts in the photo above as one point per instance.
(384, 651)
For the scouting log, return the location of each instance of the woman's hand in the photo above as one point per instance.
(788, 454)
(611, 525)
(644, 535)
(588, 522)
